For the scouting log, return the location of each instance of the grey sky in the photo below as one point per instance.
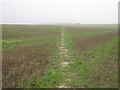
(60, 11)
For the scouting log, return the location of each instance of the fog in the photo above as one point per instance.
(60, 11)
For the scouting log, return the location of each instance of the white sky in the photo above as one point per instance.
(60, 11)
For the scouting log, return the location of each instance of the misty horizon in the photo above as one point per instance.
(59, 12)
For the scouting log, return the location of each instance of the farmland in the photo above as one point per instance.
(60, 56)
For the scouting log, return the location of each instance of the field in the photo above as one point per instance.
(60, 56)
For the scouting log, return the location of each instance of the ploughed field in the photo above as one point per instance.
(55, 56)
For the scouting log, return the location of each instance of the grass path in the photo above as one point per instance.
(66, 60)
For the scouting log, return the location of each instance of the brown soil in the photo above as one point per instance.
(85, 44)
(25, 62)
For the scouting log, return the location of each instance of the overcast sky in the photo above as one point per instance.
(60, 11)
